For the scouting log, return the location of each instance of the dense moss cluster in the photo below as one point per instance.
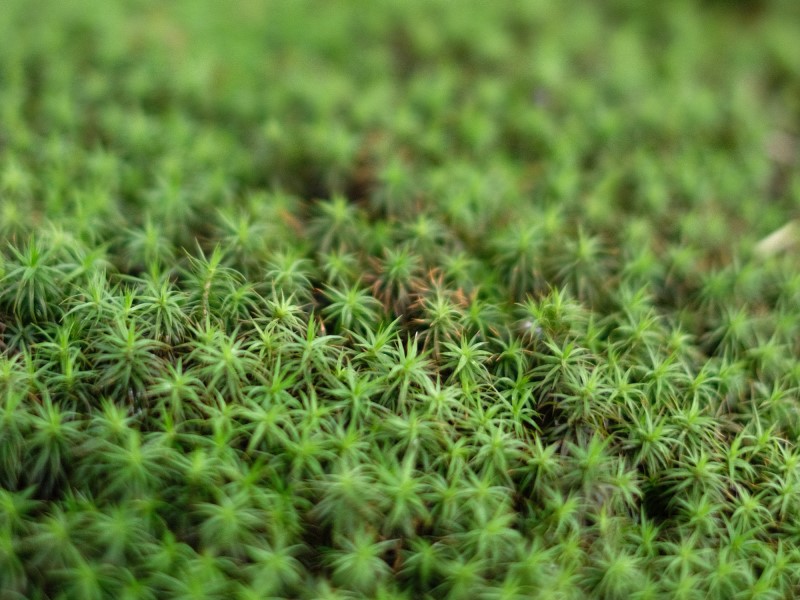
(399, 300)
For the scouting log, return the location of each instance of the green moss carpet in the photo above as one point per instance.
(422, 300)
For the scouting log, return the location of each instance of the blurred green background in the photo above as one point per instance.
(485, 111)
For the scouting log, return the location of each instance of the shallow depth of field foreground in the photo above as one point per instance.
(399, 300)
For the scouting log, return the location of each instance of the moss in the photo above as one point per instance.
(420, 299)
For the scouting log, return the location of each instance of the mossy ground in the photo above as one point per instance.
(399, 300)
